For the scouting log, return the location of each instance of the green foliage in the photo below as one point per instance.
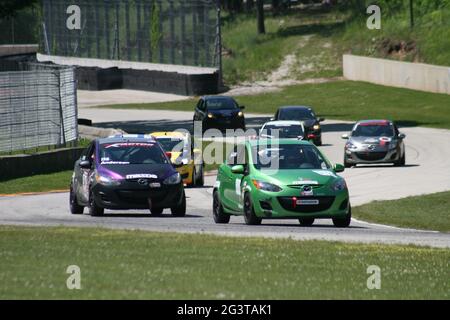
(392, 7)
(20, 25)
(155, 32)
(9, 8)
(422, 7)
(396, 40)
(249, 56)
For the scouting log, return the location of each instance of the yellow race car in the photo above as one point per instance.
(186, 159)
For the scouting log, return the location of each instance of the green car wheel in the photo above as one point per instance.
(249, 212)
(219, 215)
(343, 222)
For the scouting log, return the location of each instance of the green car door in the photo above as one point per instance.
(230, 183)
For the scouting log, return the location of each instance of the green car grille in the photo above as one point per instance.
(289, 203)
(313, 186)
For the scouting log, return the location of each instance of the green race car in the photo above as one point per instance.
(278, 179)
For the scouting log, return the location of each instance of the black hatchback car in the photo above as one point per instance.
(219, 112)
(311, 122)
(126, 172)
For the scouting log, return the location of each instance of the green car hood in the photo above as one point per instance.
(298, 176)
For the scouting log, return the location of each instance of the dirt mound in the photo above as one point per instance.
(399, 49)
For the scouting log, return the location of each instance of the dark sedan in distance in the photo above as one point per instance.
(305, 114)
(219, 112)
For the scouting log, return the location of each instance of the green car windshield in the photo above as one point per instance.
(288, 156)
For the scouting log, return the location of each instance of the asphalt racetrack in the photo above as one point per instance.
(427, 171)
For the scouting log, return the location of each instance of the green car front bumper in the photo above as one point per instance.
(290, 203)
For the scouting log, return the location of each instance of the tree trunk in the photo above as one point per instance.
(237, 6)
(260, 16)
(249, 5)
(275, 6)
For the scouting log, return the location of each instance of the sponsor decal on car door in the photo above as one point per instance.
(227, 185)
(85, 184)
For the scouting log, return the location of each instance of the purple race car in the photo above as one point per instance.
(126, 172)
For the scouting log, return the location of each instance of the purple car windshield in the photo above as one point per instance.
(131, 153)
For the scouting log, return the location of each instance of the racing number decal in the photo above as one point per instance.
(85, 184)
(237, 185)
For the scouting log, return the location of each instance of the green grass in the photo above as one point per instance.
(344, 100)
(428, 212)
(82, 142)
(37, 183)
(249, 56)
(425, 41)
(318, 39)
(144, 265)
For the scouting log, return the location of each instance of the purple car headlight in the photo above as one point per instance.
(173, 179)
(106, 180)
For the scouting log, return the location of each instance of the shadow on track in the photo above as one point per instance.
(148, 126)
(384, 166)
(297, 225)
(146, 215)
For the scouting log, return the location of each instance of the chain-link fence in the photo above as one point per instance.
(184, 32)
(37, 107)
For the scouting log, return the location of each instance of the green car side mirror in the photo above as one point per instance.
(339, 168)
(238, 169)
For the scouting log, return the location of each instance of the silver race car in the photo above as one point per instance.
(374, 141)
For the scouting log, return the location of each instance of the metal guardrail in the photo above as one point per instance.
(38, 107)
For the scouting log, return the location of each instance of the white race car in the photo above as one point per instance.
(283, 129)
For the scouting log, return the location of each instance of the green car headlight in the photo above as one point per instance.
(339, 185)
(265, 186)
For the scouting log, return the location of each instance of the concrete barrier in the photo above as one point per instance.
(92, 133)
(17, 166)
(98, 74)
(416, 76)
